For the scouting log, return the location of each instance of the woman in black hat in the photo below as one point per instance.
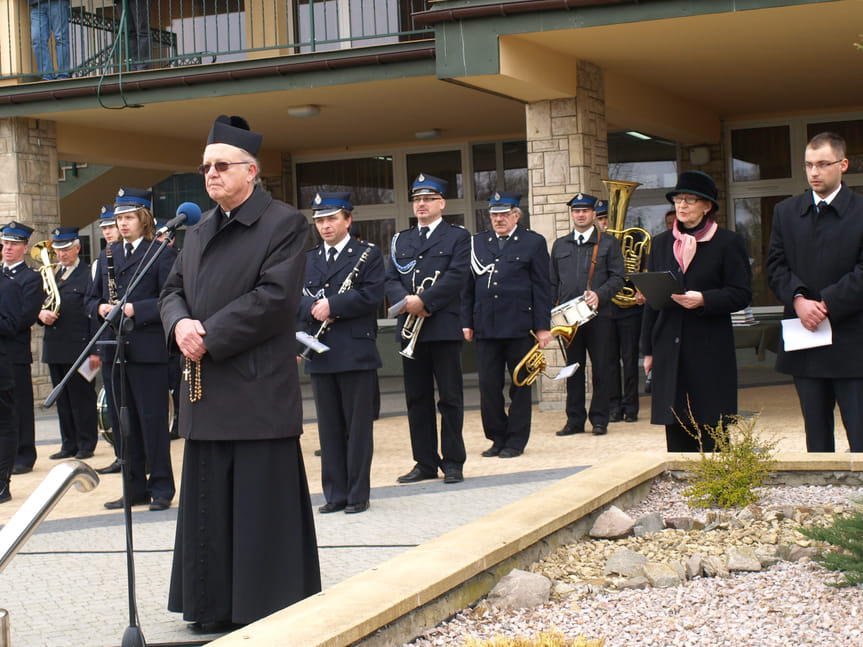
(689, 344)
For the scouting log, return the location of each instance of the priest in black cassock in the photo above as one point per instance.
(245, 544)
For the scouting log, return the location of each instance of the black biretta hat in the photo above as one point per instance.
(236, 132)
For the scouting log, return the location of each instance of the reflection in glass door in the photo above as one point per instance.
(754, 217)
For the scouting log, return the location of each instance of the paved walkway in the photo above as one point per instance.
(68, 585)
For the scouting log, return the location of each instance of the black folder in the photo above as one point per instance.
(657, 287)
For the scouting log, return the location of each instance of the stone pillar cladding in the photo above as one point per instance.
(567, 146)
(715, 168)
(29, 194)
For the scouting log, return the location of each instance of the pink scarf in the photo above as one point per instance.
(686, 244)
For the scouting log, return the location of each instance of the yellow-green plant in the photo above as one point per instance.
(553, 638)
(728, 476)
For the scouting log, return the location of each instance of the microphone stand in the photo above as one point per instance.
(132, 636)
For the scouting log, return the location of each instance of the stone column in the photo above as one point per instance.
(29, 194)
(567, 147)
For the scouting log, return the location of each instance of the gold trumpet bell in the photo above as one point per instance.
(534, 362)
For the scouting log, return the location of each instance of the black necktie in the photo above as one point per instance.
(580, 240)
(822, 206)
(7, 271)
(424, 233)
(60, 273)
(129, 249)
(331, 256)
(501, 241)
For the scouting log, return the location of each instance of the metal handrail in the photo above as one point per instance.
(37, 506)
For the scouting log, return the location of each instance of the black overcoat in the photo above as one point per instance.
(514, 296)
(243, 282)
(822, 258)
(351, 337)
(693, 350)
(570, 269)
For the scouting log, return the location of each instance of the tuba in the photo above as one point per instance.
(534, 361)
(44, 253)
(634, 241)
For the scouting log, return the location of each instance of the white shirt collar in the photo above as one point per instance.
(13, 266)
(432, 225)
(339, 246)
(829, 199)
(509, 233)
(587, 234)
(135, 244)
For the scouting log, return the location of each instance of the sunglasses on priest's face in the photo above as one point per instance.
(220, 167)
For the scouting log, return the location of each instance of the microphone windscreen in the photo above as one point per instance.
(191, 211)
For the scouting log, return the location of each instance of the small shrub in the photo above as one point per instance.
(846, 534)
(728, 476)
(552, 638)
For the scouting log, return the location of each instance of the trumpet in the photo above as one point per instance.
(44, 253)
(534, 362)
(413, 323)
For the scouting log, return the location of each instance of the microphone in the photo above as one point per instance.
(188, 213)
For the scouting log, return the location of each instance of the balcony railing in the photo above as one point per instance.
(101, 35)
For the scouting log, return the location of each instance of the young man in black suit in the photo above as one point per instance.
(67, 332)
(345, 378)
(433, 257)
(814, 268)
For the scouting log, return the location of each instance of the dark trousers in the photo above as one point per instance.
(76, 409)
(494, 356)
(345, 405)
(8, 430)
(24, 411)
(686, 439)
(435, 362)
(818, 399)
(624, 350)
(593, 338)
(149, 442)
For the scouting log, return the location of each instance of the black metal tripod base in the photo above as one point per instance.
(133, 637)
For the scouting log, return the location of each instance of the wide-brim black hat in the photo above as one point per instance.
(695, 183)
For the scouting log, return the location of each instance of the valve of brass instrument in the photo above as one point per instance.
(44, 253)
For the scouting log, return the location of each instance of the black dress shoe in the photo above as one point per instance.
(494, 450)
(630, 417)
(615, 417)
(160, 503)
(84, 454)
(21, 469)
(61, 454)
(354, 508)
(118, 503)
(416, 475)
(220, 627)
(453, 475)
(569, 430)
(331, 507)
(599, 430)
(510, 452)
(113, 468)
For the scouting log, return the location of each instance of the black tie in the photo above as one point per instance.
(129, 249)
(331, 256)
(822, 206)
(60, 274)
(501, 241)
(7, 271)
(580, 240)
(424, 233)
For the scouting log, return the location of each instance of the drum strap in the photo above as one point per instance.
(593, 260)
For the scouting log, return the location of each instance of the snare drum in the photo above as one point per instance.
(575, 312)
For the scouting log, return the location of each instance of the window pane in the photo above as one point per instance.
(652, 162)
(851, 132)
(753, 218)
(484, 171)
(369, 179)
(515, 169)
(443, 164)
(761, 153)
(650, 217)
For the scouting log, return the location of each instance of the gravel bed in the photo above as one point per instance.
(787, 604)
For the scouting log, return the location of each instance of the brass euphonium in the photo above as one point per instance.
(534, 361)
(634, 241)
(45, 254)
